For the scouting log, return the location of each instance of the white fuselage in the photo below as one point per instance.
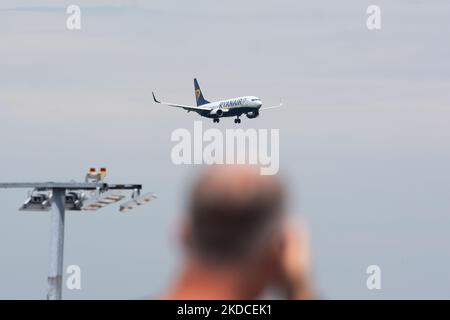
(250, 102)
(235, 107)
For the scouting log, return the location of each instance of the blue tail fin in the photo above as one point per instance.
(198, 94)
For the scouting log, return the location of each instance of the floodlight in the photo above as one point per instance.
(74, 201)
(137, 201)
(37, 202)
(102, 200)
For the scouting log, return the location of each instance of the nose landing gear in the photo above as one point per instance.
(237, 120)
(216, 120)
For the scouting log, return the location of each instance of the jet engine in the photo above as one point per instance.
(217, 112)
(252, 114)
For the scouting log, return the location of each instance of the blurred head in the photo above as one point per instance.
(234, 223)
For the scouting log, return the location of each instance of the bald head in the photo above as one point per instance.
(234, 211)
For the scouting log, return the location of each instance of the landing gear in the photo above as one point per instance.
(216, 120)
(237, 120)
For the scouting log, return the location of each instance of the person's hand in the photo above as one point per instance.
(294, 274)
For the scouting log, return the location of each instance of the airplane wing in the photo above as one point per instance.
(185, 107)
(274, 107)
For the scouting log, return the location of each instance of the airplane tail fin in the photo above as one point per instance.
(198, 94)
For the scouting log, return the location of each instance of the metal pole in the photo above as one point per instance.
(56, 245)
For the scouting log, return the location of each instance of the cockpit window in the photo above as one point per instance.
(256, 99)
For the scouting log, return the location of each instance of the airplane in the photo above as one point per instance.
(236, 107)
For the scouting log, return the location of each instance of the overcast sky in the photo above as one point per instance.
(365, 135)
